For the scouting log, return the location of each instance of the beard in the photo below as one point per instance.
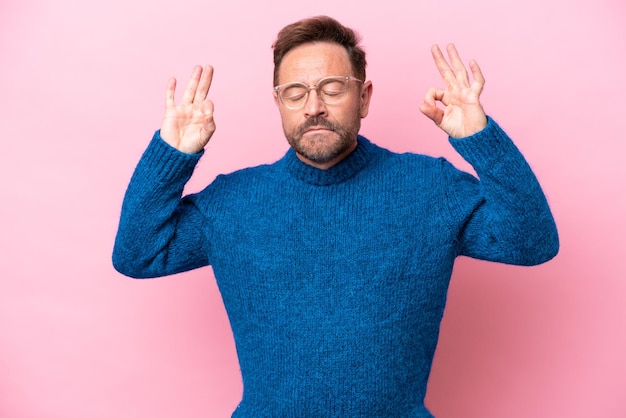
(323, 147)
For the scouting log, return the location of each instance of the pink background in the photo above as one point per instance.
(81, 92)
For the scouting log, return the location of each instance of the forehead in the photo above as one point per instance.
(312, 61)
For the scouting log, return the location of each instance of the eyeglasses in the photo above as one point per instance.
(331, 90)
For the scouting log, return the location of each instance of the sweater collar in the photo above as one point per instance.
(338, 173)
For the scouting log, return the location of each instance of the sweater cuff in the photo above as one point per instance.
(486, 146)
(166, 163)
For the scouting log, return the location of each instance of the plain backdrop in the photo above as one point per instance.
(81, 92)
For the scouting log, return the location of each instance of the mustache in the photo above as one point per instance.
(316, 121)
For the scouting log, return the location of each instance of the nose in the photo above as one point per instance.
(314, 105)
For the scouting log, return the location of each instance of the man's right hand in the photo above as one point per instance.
(189, 125)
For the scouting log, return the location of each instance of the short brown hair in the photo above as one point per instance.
(319, 29)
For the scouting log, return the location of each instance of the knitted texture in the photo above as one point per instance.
(335, 281)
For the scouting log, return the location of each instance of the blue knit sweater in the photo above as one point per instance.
(335, 281)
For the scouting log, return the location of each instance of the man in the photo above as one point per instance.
(334, 262)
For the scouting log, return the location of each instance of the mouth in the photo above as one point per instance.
(316, 126)
(318, 129)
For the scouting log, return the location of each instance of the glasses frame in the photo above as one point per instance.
(315, 87)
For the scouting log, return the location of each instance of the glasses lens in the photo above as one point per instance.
(332, 89)
(293, 96)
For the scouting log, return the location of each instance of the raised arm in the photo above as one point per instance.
(159, 232)
(506, 216)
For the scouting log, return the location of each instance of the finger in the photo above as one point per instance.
(434, 95)
(208, 110)
(432, 112)
(169, 92)
(204, 84)
(209, 123)
(192, 85)
(477, 74)
(442, 65)
(457, 65)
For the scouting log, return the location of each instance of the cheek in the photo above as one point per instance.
(289, 120)
(284, 117)
(350, 113)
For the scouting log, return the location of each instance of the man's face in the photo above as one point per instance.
(322, 134)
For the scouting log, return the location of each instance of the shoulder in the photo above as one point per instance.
(419, 173)
(240, 184)
(413, 164)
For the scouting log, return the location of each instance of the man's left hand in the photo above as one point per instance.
(462, 114)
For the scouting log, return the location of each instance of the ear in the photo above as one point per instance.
(366, 96)
(276, 100)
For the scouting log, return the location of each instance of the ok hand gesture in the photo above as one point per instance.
(462, 114)
(189, 125)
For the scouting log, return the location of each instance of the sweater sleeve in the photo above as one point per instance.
(159, 232)
(507, 218)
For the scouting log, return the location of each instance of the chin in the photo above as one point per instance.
(323, 146)
(322, 150)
